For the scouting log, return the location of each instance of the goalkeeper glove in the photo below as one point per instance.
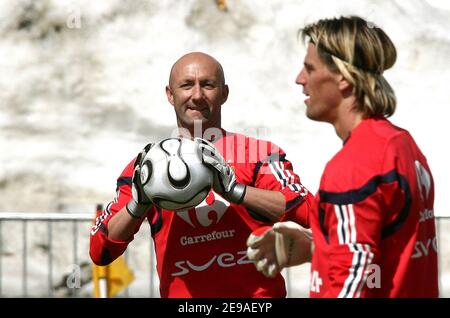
(140, 203)
(224, 177)
(283, 245)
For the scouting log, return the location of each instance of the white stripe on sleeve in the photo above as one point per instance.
(362, 256)
(340, 227)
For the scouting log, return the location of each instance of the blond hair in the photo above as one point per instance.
(361, 52)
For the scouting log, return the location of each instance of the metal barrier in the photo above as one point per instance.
(86, 218)
(65, 236)
(49, 219)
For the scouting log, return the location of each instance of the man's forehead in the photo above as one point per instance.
(191, 66)
(311, 52)
(195, 63)
(195, 70)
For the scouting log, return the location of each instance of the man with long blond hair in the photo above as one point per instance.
(372, 222)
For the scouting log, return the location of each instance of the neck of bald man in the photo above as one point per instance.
(210, 132)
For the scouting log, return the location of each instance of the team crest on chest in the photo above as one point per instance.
(207, 213)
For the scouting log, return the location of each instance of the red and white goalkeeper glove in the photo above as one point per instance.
(283, 245)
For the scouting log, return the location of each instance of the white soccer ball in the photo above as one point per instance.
(173, 175)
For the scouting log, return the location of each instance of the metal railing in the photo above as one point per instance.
(75, 221)
(49, 219)
(65, 236)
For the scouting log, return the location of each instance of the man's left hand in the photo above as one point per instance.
(224, 176)
(283, 245)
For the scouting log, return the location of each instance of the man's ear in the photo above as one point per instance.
(344, 86)
(169, 95)
(225, 94)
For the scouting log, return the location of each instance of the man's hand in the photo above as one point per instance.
(283, 245)
(224, 176)
(261, 249)
(140, 203)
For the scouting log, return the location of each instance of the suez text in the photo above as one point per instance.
(226, 307)
(222, 260)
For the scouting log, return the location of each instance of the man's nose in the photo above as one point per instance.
(197, 92)
(301, 78)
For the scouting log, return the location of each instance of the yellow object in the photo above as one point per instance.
(111, 279)
(222, 5)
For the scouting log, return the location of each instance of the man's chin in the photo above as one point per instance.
(316, 117)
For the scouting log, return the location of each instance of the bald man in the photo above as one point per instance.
(197, 91)
(201, 252)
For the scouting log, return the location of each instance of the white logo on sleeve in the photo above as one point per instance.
(423, 181)
(423, 248)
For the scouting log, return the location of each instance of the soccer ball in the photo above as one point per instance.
(173, 175)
